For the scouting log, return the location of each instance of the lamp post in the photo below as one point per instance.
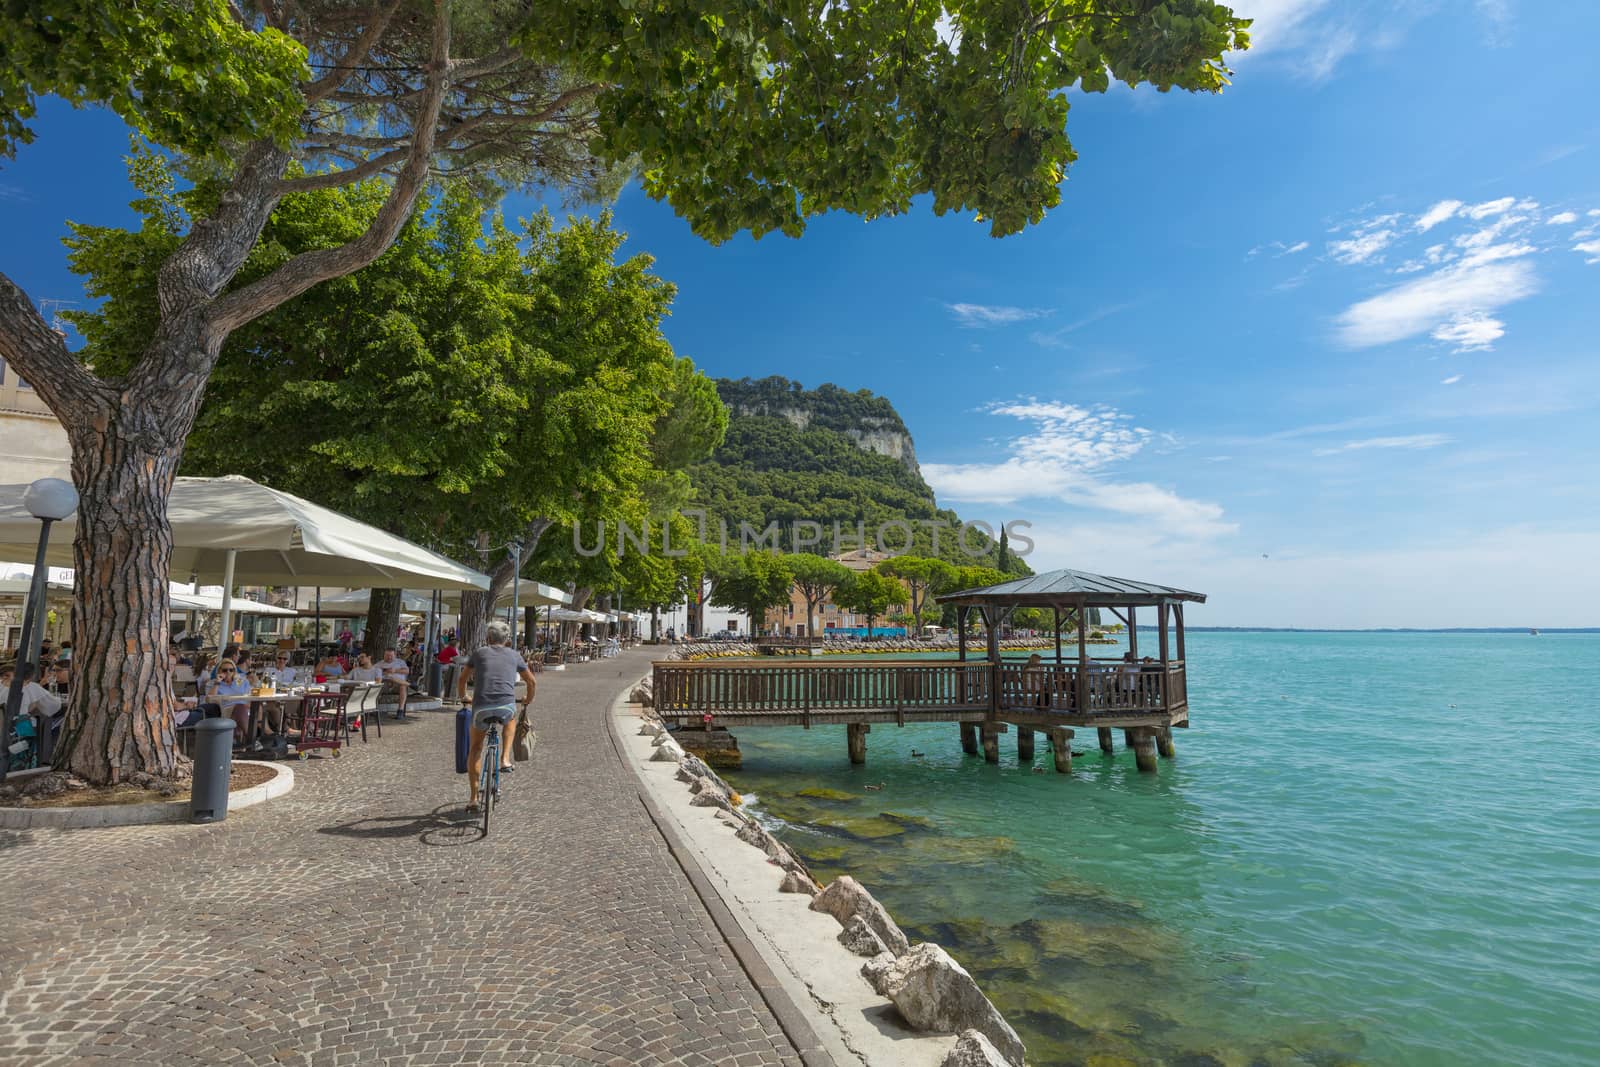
(48, 500)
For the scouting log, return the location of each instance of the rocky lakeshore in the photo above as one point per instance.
(897, 987)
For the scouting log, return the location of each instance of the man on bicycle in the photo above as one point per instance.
(494, 668)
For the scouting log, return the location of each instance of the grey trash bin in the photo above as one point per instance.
(435, 677)
(213, 764)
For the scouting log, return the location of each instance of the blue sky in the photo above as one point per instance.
(1322, 347)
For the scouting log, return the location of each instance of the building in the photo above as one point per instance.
(829, 616)
(33, 444)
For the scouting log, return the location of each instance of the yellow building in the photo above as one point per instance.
(829, 616)
(33, 444)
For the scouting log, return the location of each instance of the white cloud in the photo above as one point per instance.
(1362, 248)
(1299, 246)
(1440, 298)
(1453, 379)
(1416, 440)
(1064, 456)
(973, 316)
(1474, 332)
(1562, 219)
(1590, 249)
(1490, 207)
(1440, 212)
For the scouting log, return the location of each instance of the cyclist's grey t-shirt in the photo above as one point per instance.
(494, 676)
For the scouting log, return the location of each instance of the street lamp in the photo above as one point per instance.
(48, 500)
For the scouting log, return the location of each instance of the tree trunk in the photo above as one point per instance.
(476, 607)
(383, 622)
(119, 716)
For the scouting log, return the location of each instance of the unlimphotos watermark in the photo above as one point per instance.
(892, 537)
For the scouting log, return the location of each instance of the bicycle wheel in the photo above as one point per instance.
(489, 784)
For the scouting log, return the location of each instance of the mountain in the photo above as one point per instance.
(826, 455)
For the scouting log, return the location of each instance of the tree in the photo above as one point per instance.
(743, 116)
(923, 578)
(752, 582)
(816, 578)
(871, 594)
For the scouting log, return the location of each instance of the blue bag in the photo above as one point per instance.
(463, 737)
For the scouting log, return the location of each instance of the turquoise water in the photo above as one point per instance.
(1370, 849)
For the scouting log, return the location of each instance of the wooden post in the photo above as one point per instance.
(961, 633)
(969, 738)
(1083, 661)
(1061, 747)
(991, 742)
(856, 734)
(991, 619)
(1107, 745)
(1161, 612)
(1164, 743)
(1058, 635)
(1144, 748)
(1024, 744)
(1178, 610)
(1129, 735)
(1133, 630)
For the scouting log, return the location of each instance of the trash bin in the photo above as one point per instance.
(435, 678)
(213, 764)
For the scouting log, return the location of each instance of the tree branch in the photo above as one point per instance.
(319, 90)
(334, 178)
(309, 268)
(39, 354)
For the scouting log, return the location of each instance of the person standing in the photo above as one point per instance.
(493, 670)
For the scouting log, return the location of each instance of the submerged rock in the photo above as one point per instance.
(844, 898)
(910, 822)
(934, 992)
(836, 795)
(974, 1050)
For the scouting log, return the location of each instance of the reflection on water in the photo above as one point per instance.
(1296, 888)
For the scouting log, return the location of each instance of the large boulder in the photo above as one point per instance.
(668, 752)
(934, 992)
(794, 882)
(642, 695)
(859, 938)
(845, 898)
(974, 1050)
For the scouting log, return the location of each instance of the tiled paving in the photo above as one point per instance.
(360, 919)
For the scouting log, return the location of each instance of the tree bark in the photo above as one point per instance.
(383, 622)
(476, 607)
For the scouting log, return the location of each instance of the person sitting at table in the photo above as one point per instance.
(364, 671)
(185, 710)
(36, 699)
(330, 668)
(282, 673)
(396, 676)
(230, 683)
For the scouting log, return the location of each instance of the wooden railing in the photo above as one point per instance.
(750, 687)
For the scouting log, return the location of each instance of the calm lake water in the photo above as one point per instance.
(1371, 848)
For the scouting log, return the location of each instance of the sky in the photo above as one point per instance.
(1322, 347)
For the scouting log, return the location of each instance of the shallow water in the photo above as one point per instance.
(1371, 848)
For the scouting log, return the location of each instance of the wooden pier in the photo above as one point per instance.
(1145, 699)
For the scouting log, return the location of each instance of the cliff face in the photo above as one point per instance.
(869, 420)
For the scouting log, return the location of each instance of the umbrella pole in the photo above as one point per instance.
(227, 601)
(316, 635)
(516, 588)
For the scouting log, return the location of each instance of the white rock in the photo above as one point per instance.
(974, 1050)
(668, 753)
(859, 938)
(844, 898)
(934, 992)
(794, 882)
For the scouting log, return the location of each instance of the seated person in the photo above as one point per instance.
(364, 671)
(185, 710)
(448, 653)
(396, 677)
(230, 683)
(61, 678)
(330, 668)
(36, 700)
(283, 675)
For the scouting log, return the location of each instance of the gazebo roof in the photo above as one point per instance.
(1066, 588)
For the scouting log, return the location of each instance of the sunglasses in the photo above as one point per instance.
(227, 670)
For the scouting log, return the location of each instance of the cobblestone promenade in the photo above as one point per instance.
(360, 919)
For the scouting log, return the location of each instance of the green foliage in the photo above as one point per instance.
(187, 75)
(923, 578)
(752, 582)
(871, 594)
(759, 116)
(816, 578)
(469, 381)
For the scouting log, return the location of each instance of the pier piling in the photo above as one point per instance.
(857, 735)
(991, 741)
(1024, 745)
(969, 738)
(1107, 745)
(1164, 743)
(1061, 748)
(1143, 740)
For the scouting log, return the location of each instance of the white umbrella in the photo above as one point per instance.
(358, 601)
(234, 530)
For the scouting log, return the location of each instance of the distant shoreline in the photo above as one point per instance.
(1383, 630)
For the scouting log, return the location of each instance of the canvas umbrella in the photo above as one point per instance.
(232, 530)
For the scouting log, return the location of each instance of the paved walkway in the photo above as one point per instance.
(360, 918)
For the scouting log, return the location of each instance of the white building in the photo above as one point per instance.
(33, 444)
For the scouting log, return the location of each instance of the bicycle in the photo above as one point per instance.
(489, 774)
